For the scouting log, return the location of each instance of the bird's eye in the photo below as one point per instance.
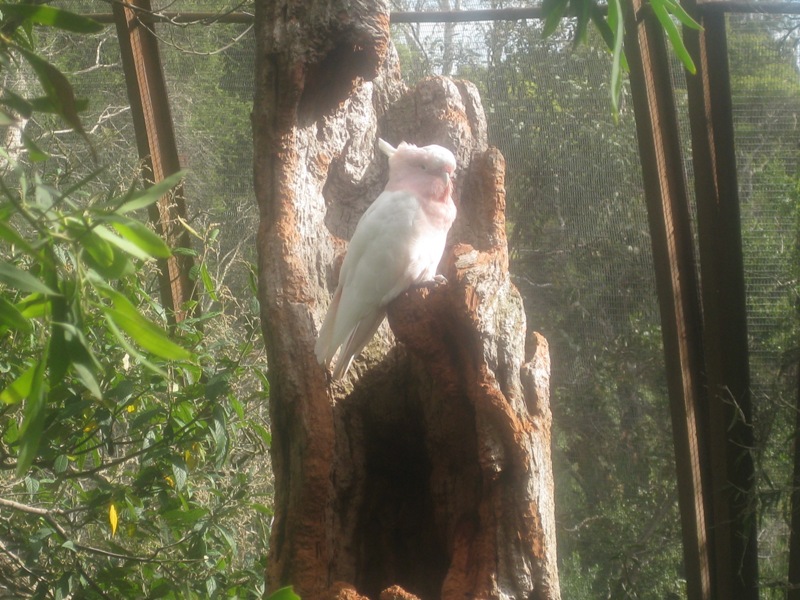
(423, 166)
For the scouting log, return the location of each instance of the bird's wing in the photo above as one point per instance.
(377, 268)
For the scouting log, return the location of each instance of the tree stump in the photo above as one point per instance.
(426, 472)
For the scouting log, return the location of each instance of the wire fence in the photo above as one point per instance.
(579, 242)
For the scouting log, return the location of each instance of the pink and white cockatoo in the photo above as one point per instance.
(398, 243)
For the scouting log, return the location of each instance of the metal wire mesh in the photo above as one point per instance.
(579, 243)
(766, 105)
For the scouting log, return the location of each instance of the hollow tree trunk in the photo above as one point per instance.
(427, 471)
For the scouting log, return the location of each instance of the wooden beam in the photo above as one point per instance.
(158, 150)
(679, 301)
(724, 308)
(453, 16)
(743, 6)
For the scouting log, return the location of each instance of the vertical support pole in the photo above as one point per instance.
(155, 139)
(724, 309)
(676, 282)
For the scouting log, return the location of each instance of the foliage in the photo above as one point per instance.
(17, 48)
(610, 26)
(131, 452)
(132, 458)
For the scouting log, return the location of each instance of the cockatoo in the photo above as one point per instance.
(398, 243)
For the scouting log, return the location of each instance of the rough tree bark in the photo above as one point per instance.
(427, 472)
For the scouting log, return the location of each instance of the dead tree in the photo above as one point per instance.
(427, 471)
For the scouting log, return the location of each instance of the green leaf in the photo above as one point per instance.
(211, 587)
(11, 317)
(121, 243)
(112, 326)
(285, 593)
(183, 519)
(263, 433)
(150, 195)
(605, 28)
(674, 34)
(179, 472)
(554, 11)
(140, 235)
(57, 88)
(104, 258)
(17, 103)
(22, 280)
(208, 284)
(35, 153)
(160, 589)
(52, 17)
(141, 330)
(583, 10)
(20, 388)
(263, 509)
(59, 354)
(680, 13)
(87, 377)
(34, 306)
(230, 540)
(33, 416)
(61, 463)
(9, 233)
(237, 407)
(615, 22)
(31, 485)
(47, 104)
(81, 357)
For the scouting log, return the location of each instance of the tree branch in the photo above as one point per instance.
(49, 515)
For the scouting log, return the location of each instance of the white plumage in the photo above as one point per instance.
(398, 243)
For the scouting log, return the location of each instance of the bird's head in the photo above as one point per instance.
(427, 171)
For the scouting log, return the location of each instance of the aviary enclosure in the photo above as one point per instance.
(656, 251)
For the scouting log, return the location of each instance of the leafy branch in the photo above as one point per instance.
(49, 516)
(610, 24)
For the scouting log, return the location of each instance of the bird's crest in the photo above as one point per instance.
(386, 147)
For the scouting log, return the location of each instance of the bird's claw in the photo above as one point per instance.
(439, 279)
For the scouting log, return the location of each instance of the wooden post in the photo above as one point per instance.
(155, 140)
(676, 282)
(724, 309)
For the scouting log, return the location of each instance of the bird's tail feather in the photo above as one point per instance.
(324, 348)
(358, 338)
